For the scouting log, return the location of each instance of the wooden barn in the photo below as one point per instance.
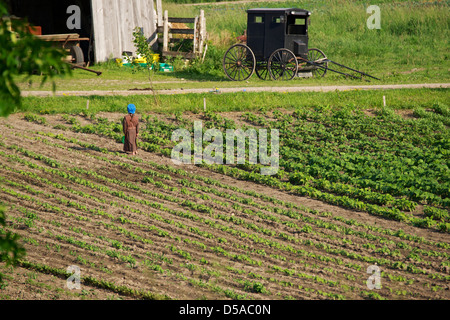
(102, 29)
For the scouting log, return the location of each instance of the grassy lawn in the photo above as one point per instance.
(241, 101)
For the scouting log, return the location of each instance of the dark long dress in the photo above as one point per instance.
(130, 130)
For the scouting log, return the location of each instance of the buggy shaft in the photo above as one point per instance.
(341, 65)
(326, 68)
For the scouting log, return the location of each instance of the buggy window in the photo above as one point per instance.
(296, 25)
(276, 19)
(259, 19)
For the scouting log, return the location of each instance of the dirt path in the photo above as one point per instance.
(236, 89)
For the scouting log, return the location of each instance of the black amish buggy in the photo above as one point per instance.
(277, 47)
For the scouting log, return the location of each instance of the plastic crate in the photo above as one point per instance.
(165, 67)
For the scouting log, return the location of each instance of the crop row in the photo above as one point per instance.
(432, 253)
(392, 213)
(137, 294)
(351, 255)
(376, 198)
(121, 219)
(315, 153)
(84, 244)
(92, 281)
(247, 201)
(43, 160)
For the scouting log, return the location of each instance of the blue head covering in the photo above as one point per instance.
(131, 108)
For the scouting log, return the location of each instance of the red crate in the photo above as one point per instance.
(36, 30)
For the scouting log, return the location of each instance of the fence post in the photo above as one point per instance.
(196, 35)
(166, 31)
(202, 31)
(159, 13)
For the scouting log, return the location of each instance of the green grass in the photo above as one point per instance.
(242, 101)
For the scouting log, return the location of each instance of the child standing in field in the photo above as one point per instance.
(131, 130)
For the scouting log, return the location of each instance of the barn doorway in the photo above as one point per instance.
(52, 18)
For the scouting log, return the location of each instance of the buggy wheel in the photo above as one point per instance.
(320, 67)
(77, 56)
(239, 62)
(282, 65)
(261, 70)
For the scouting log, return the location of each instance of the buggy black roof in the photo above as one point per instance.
(293, 11)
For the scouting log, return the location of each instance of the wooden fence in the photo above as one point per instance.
(174, 30)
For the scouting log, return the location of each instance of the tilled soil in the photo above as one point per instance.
(151, 237)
